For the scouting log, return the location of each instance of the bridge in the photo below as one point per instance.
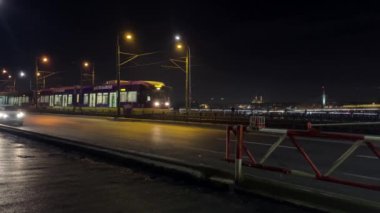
(203, 148)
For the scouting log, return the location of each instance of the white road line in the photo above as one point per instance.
(367, 156)
(361, 176)
(203, 150)
(263, 144)
(348, 143)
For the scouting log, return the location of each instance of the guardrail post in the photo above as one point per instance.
(228, 140)
(238, 156)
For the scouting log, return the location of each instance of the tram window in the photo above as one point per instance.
(51, 100)
(132, 96)
(123, 97)
(112, 99)
(105, 98)
(58, 100)
(85, 99)
(99, 98)
(70, 99)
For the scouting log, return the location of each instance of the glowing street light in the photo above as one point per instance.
(128, 36)
(4, 71)
(22, 74)
(180, 45)
(9, 76)
(85, 72)
(45, 59)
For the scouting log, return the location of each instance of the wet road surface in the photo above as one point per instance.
(35, 177)
(206, 146)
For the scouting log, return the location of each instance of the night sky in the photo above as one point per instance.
(284, 51)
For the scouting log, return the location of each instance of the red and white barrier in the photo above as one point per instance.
(294, 135)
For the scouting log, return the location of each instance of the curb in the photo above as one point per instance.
(275, 190)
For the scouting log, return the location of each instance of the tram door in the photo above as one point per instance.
(92, 100)
(112, 99)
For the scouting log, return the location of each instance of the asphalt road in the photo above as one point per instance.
(35, 177)
(206, 146)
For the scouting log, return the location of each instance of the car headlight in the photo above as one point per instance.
(156, 104)
(167, 103)
(20, 115)
(4, 115)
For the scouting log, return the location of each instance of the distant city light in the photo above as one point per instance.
(179, 46)
(4, 70)
(177, 38)
(9, 76)
(86, 64)
(22, 74)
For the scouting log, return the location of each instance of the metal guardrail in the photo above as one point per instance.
(355, 139)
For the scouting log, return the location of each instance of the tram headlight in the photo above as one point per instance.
(167, 103)
(156, 104)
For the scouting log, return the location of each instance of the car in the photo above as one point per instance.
(11, 115)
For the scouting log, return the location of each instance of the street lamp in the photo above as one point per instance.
(22, 74)
(128, 37)
(12, 79)
(84, 74)
(180, 45)
(43, 60)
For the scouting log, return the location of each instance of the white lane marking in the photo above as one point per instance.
(361, 176)
(367, 156)
(307, 139)
(263, 144)
(203, 150)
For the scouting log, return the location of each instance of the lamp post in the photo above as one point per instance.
(21, 75)
(84, 74)
(128, 37)
(180, 46)
(44, 60)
